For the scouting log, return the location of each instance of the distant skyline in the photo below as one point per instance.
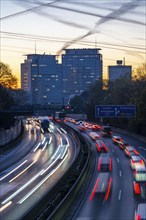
(45, 26)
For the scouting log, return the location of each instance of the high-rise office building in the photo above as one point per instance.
(81, 67)
(119, 71)
(41, 77)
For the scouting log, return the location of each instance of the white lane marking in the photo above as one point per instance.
(113, 151)
(120, 173)
(119, 196)
(118, 160)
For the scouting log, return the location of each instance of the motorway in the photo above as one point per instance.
(122, 203)
(32, 168)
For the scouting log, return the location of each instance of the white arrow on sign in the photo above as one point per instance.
(116, 111)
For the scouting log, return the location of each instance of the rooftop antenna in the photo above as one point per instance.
(124, 61)
(35, 47)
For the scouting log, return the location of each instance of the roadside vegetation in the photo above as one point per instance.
(117, 92)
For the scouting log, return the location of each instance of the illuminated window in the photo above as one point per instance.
(42, 65)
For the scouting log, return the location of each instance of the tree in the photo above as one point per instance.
(7, 80)
(6, 100)
(140, 72)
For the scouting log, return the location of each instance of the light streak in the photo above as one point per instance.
(59, 130)
(21, 189)
(63, 130)
(36, 147)
(50, 165)
(22, 172)
(13, 170)
(43, 141)
(44, 146)
(5, 206)
(38, 185)
(50, 140)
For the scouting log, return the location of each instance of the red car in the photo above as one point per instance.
(117, 139)
(105, 163)
(102, 186)
(101, 146)
(131, 151)
(95, 127)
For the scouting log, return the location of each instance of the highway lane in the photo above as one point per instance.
(43, 167)
(122, 203)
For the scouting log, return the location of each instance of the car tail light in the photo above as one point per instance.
(110, 165)
(105, 147)
(98, 148)
(136, 188)
(142, 162)
(137, 217)
(94, 189)
(127, 152)
(136, 152)
(99, 164)
(108, 189)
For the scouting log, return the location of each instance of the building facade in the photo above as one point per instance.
(81, 67)
(119, 71)
(41, 77)
(48, 82)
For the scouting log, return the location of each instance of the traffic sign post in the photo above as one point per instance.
(113, 111)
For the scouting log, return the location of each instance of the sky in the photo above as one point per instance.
(118, 28)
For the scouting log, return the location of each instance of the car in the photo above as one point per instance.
(136, 161)
(101, 146)
(29, 121)
(94, 135)
(117, 139)
(140, 213)
(95, 127)
(104, 163)
(139, 183)
(78, 122)
(106, 131)
(123, 145)
(102, 186)
(131, 151)
(81, 128)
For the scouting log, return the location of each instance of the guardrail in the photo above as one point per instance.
(123, 131)
(58, 200)
(7, 136)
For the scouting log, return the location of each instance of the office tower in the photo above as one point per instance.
(81, 67)
(119, 71)
(41, 77)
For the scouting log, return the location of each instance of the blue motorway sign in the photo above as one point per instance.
(115, 111)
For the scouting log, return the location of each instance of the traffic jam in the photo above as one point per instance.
(103, 184)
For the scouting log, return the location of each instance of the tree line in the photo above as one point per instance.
(117, 92)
